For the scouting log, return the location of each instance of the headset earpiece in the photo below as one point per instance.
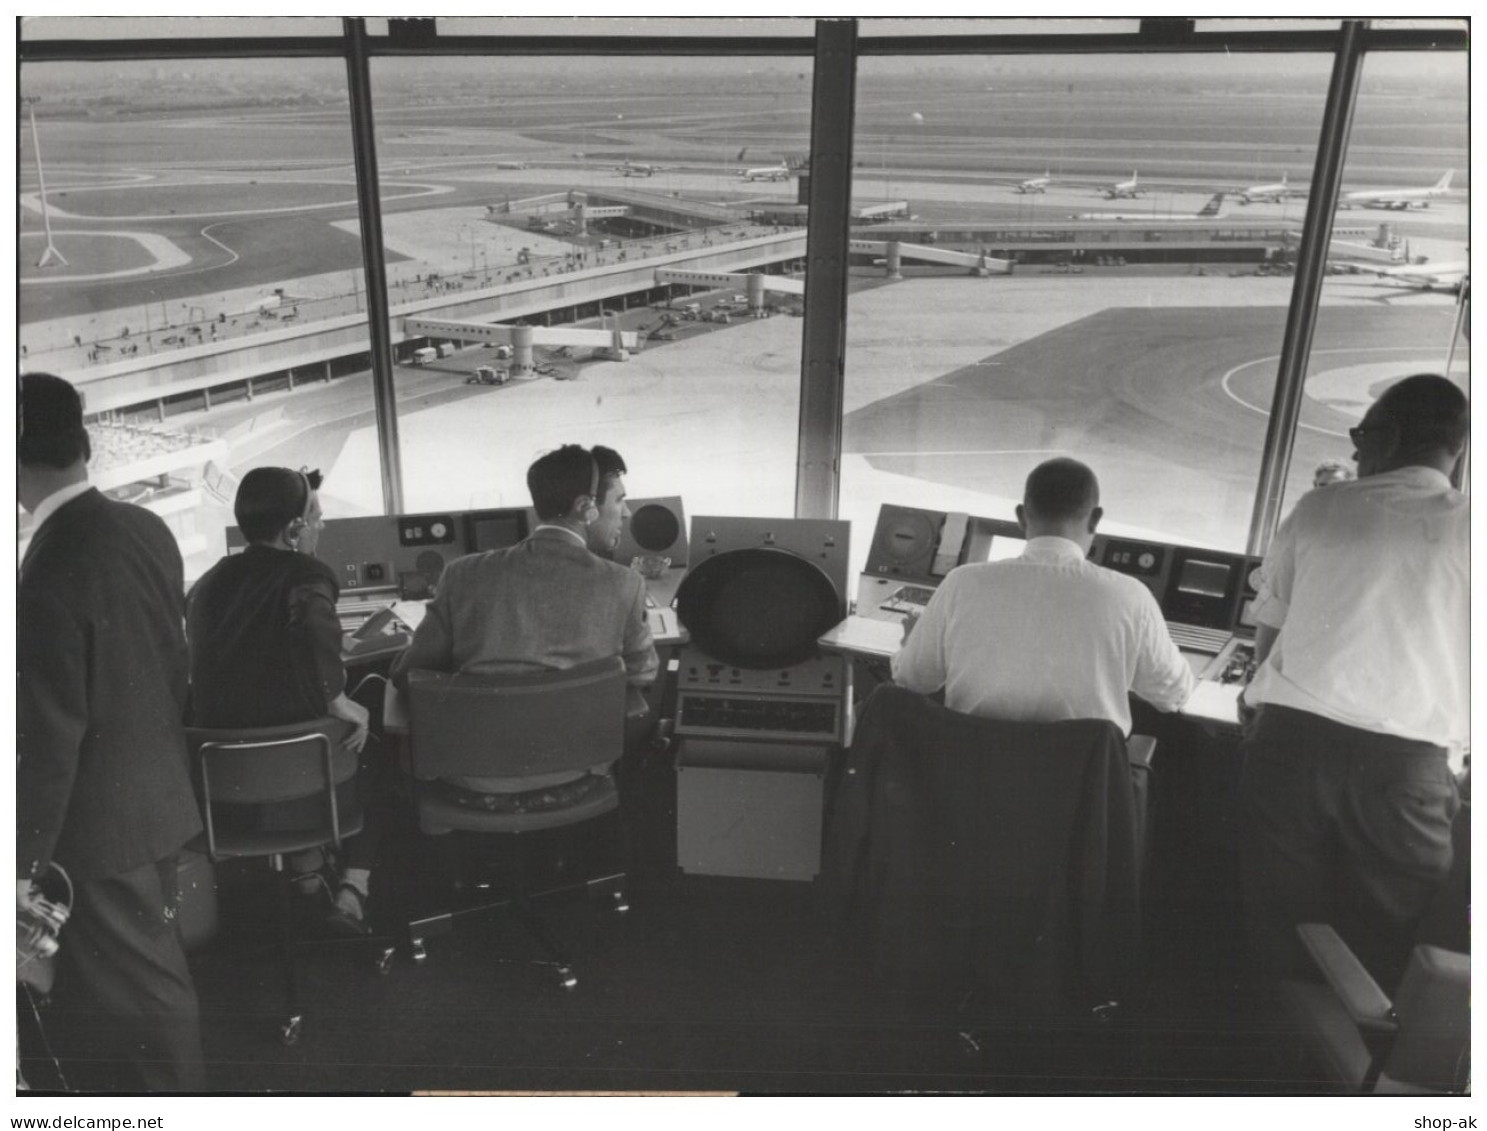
(590, 513)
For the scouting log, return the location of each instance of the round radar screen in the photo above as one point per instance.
(654, 527)
(757, 608)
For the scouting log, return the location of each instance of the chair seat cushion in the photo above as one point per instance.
(443, 807)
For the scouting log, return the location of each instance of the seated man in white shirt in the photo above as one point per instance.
(1049, 635)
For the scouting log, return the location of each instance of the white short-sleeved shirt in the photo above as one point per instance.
(1369, 585)
(1044, 637)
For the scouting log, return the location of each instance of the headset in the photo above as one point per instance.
(297, 526)
(591, 510)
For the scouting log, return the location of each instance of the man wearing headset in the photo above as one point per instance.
(266, 650)
(551, 601)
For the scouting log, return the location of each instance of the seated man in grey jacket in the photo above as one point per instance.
(549, 602)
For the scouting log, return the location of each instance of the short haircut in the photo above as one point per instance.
(270, 498)
(557, 479)
(611, 466)
(49, 423)
(1061, 489)
(1429, 411)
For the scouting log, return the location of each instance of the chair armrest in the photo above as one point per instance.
(636, 704)
(1360, 995)
(1139, 750)
(394, 710)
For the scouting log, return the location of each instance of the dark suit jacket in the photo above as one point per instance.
(265, 640)
(967, 853)
(102, 780)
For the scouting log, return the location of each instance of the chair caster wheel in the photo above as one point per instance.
(567, 979)
(384, 960)
(289, 1034)
(420, 955)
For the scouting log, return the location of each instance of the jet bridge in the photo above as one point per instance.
(894, 252)
(756, 284)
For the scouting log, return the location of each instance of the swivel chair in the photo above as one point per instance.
(1417, 1042)
(270, 766)
(516, 726)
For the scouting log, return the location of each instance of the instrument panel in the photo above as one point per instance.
(1206, 596)
(408, 552)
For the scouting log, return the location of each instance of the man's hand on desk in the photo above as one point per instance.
(1246, 714)
(354, 713)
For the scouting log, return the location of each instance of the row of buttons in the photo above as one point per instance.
(720, 713)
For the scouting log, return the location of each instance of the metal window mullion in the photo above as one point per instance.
(369, 211)
(833, 100)
(1311, 264)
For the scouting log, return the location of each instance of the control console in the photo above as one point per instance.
(1206, 596)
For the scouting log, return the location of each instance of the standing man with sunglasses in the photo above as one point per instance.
(1361, 692)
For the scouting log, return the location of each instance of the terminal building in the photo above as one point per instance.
(796, 273)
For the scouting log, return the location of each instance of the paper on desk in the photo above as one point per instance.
(1212, 700)
(410, 612)
(865, 635)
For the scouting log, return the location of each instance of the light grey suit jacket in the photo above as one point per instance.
(544, 603)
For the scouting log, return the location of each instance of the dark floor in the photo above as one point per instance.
(705, 984)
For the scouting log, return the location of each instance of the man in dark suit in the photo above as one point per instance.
(103, 787)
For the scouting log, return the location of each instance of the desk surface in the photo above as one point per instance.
(665, 628)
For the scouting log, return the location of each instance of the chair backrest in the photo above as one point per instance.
(269, 765)
(1432, 1049)
(516, 725)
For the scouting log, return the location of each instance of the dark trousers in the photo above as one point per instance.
(1340, 826)
(124, 1016)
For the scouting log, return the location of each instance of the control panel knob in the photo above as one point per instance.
(1146, 560)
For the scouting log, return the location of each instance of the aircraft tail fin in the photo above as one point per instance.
(1214, 207)
(1445, 181)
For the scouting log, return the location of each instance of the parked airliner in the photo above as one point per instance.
(1400, 199)
(1128, 189)
(1210, 211)
(780, 172)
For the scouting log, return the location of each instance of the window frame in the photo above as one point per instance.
(835, 48)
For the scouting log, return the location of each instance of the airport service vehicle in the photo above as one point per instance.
(446, 349)
(503, 351)
(1035, 184)
(486, 375)
(425, 356)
